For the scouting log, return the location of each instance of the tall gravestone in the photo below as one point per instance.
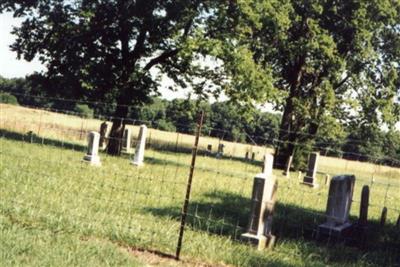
(220, 151)
(311, 176)
(93, 147)
(140, 146)
(259, 230)
(268, 164)
(103, 133)
(338, 207)
(127, 140)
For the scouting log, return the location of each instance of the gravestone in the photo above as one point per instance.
(103, 133)
(363, 218)
(338, 207)
(127, 140)
(93, 147)
(311, 175)
(287, 167)
(140, 146)
(268, 164)
(253, 156)
(364, 204)
(259, 230)
(246, 156)
(220, 151)
(209, 149)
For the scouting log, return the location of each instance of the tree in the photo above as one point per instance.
(328, 59)
(105, 50)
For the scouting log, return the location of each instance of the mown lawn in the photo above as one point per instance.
(56, 210)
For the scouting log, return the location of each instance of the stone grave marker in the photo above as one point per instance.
(93, 147)
(363, 217)
(268, 164)
(209, 149)
(127, 141)
(253, 156)
(259, 230)
(311, 175)
(220, 151)
(140, 146)
(338, 207)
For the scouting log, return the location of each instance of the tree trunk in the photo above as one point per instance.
(117, 130)
(285, 146)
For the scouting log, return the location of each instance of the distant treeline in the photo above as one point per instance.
(222, 120)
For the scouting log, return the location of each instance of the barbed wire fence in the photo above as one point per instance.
(150, 207)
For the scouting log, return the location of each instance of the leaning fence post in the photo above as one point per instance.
(189, 186)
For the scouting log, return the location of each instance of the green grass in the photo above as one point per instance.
(56, 210)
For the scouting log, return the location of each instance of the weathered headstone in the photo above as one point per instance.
(364, 204)
(93, 147)
(311, 175)
(209, 148)
(268, 164)
(103, 133)
(363, 218)
(140, 146)
(127, 140)
(287, 167)
(338, 207)
(263, 199)
(246, 156)
(220, 152)
(253, 156)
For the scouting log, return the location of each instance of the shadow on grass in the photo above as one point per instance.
(224, 213)
(31, 137)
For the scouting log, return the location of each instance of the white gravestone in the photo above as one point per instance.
(140, 146)
(93, 148)
(268, 164)
(311, 175)
(262, 208)
(127, 140)
(339, 203)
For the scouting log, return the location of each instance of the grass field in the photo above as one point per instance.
(55, 210)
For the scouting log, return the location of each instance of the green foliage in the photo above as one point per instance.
(8, 98)
(84, 110)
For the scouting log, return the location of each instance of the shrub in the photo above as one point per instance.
(84, 110)
(8, 99)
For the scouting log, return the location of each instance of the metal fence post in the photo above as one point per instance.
(189, 186)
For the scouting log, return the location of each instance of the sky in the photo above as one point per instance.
(11, 67)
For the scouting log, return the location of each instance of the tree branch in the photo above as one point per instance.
(161, 58)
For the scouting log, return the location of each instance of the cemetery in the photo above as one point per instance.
(210, 133)
(236, 209)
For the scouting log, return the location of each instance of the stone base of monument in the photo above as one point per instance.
(335, 232)
(261, 241)
(92, 160)
(309, 181)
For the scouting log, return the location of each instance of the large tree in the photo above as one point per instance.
(333, 61)
(106, 50)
